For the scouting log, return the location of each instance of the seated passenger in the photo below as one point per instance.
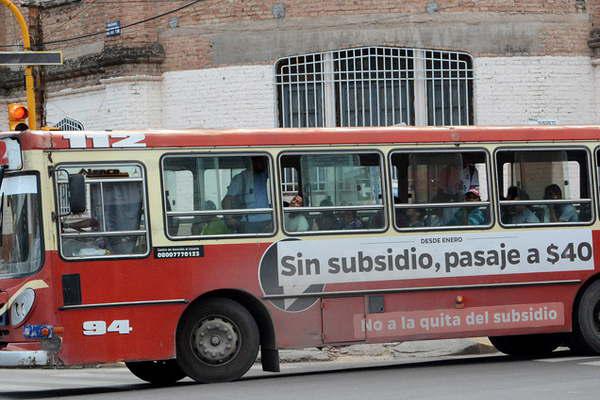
(521, 213)
(470, 215)
(296, 222)
(327, 220)
(350, 220)
(476, 215)
(410, 217)
(558, 212)
(509, 211)
(214, 225)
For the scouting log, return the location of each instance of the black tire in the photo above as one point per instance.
(527, 346)
(217, 341)
(159, 373)
(586, 322)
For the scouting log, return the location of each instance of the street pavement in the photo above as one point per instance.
(442, 369)
(490, 376)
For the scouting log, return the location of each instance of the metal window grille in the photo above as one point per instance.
(70, 124)
(375, 86)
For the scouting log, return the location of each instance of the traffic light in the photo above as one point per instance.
(17, 117)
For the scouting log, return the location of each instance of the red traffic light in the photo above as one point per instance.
(17, 117)
(17, 112)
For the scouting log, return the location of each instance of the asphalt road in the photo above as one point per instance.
(475, 377)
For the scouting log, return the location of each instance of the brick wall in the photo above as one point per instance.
(531, 57)
(515, 90)
(508, 91)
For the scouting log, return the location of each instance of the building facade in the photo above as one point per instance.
(254, 63)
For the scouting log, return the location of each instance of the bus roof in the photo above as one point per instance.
(48, 140)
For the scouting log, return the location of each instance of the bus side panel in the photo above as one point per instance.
(484, 312)
(297, 329)
(120, 334)
(98, 330)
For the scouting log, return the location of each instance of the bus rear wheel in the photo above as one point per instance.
(527, 345)
(586, 322)
(217, 341)
(162, 373)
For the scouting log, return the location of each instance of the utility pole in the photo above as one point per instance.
(28, 74)
(39, 73)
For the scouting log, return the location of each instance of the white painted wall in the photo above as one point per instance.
(228, 97)
(596, 75)
(118, 103)
(508, 91)
(516, 90)
(3, 116)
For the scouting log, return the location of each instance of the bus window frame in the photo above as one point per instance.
(490, 188)
(206, 154)
(384, 188)
(37, 175)
(546, 224)
(146, 212)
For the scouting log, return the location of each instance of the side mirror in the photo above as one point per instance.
(77, 200)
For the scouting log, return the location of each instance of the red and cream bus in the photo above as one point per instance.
(184, 253)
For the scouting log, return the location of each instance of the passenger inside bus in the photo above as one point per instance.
(470, 215)
(249, 190)
(214, 224)
(294, 221)
(327, 220)
(558, 212)
(412, 218)
(349, 220)
(519, 213)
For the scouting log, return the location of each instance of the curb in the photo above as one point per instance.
(390, 351)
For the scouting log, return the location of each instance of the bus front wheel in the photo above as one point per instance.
(217, 341)
(161, 373)
(526, 345)
(586, 327)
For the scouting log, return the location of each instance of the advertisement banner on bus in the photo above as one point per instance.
(301, 263)
(410, 323)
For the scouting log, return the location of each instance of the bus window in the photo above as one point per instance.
(542, 186)
(335, 192)
(437, 189)
(207, 196)
(114, 223)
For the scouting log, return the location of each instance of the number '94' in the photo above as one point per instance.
(95, 328)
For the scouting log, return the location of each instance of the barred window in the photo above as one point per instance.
(375, 86)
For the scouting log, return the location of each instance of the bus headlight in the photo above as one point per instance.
(22, 306)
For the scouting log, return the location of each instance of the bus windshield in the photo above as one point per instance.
(21, 239)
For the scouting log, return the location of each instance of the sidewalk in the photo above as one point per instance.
(391, 351)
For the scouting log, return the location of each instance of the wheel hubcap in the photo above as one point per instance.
(216, 340)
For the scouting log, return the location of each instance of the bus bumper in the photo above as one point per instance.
(17, 356)
(24, 358)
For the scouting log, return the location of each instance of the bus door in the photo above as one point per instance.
(341, 201)
(103, 248)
